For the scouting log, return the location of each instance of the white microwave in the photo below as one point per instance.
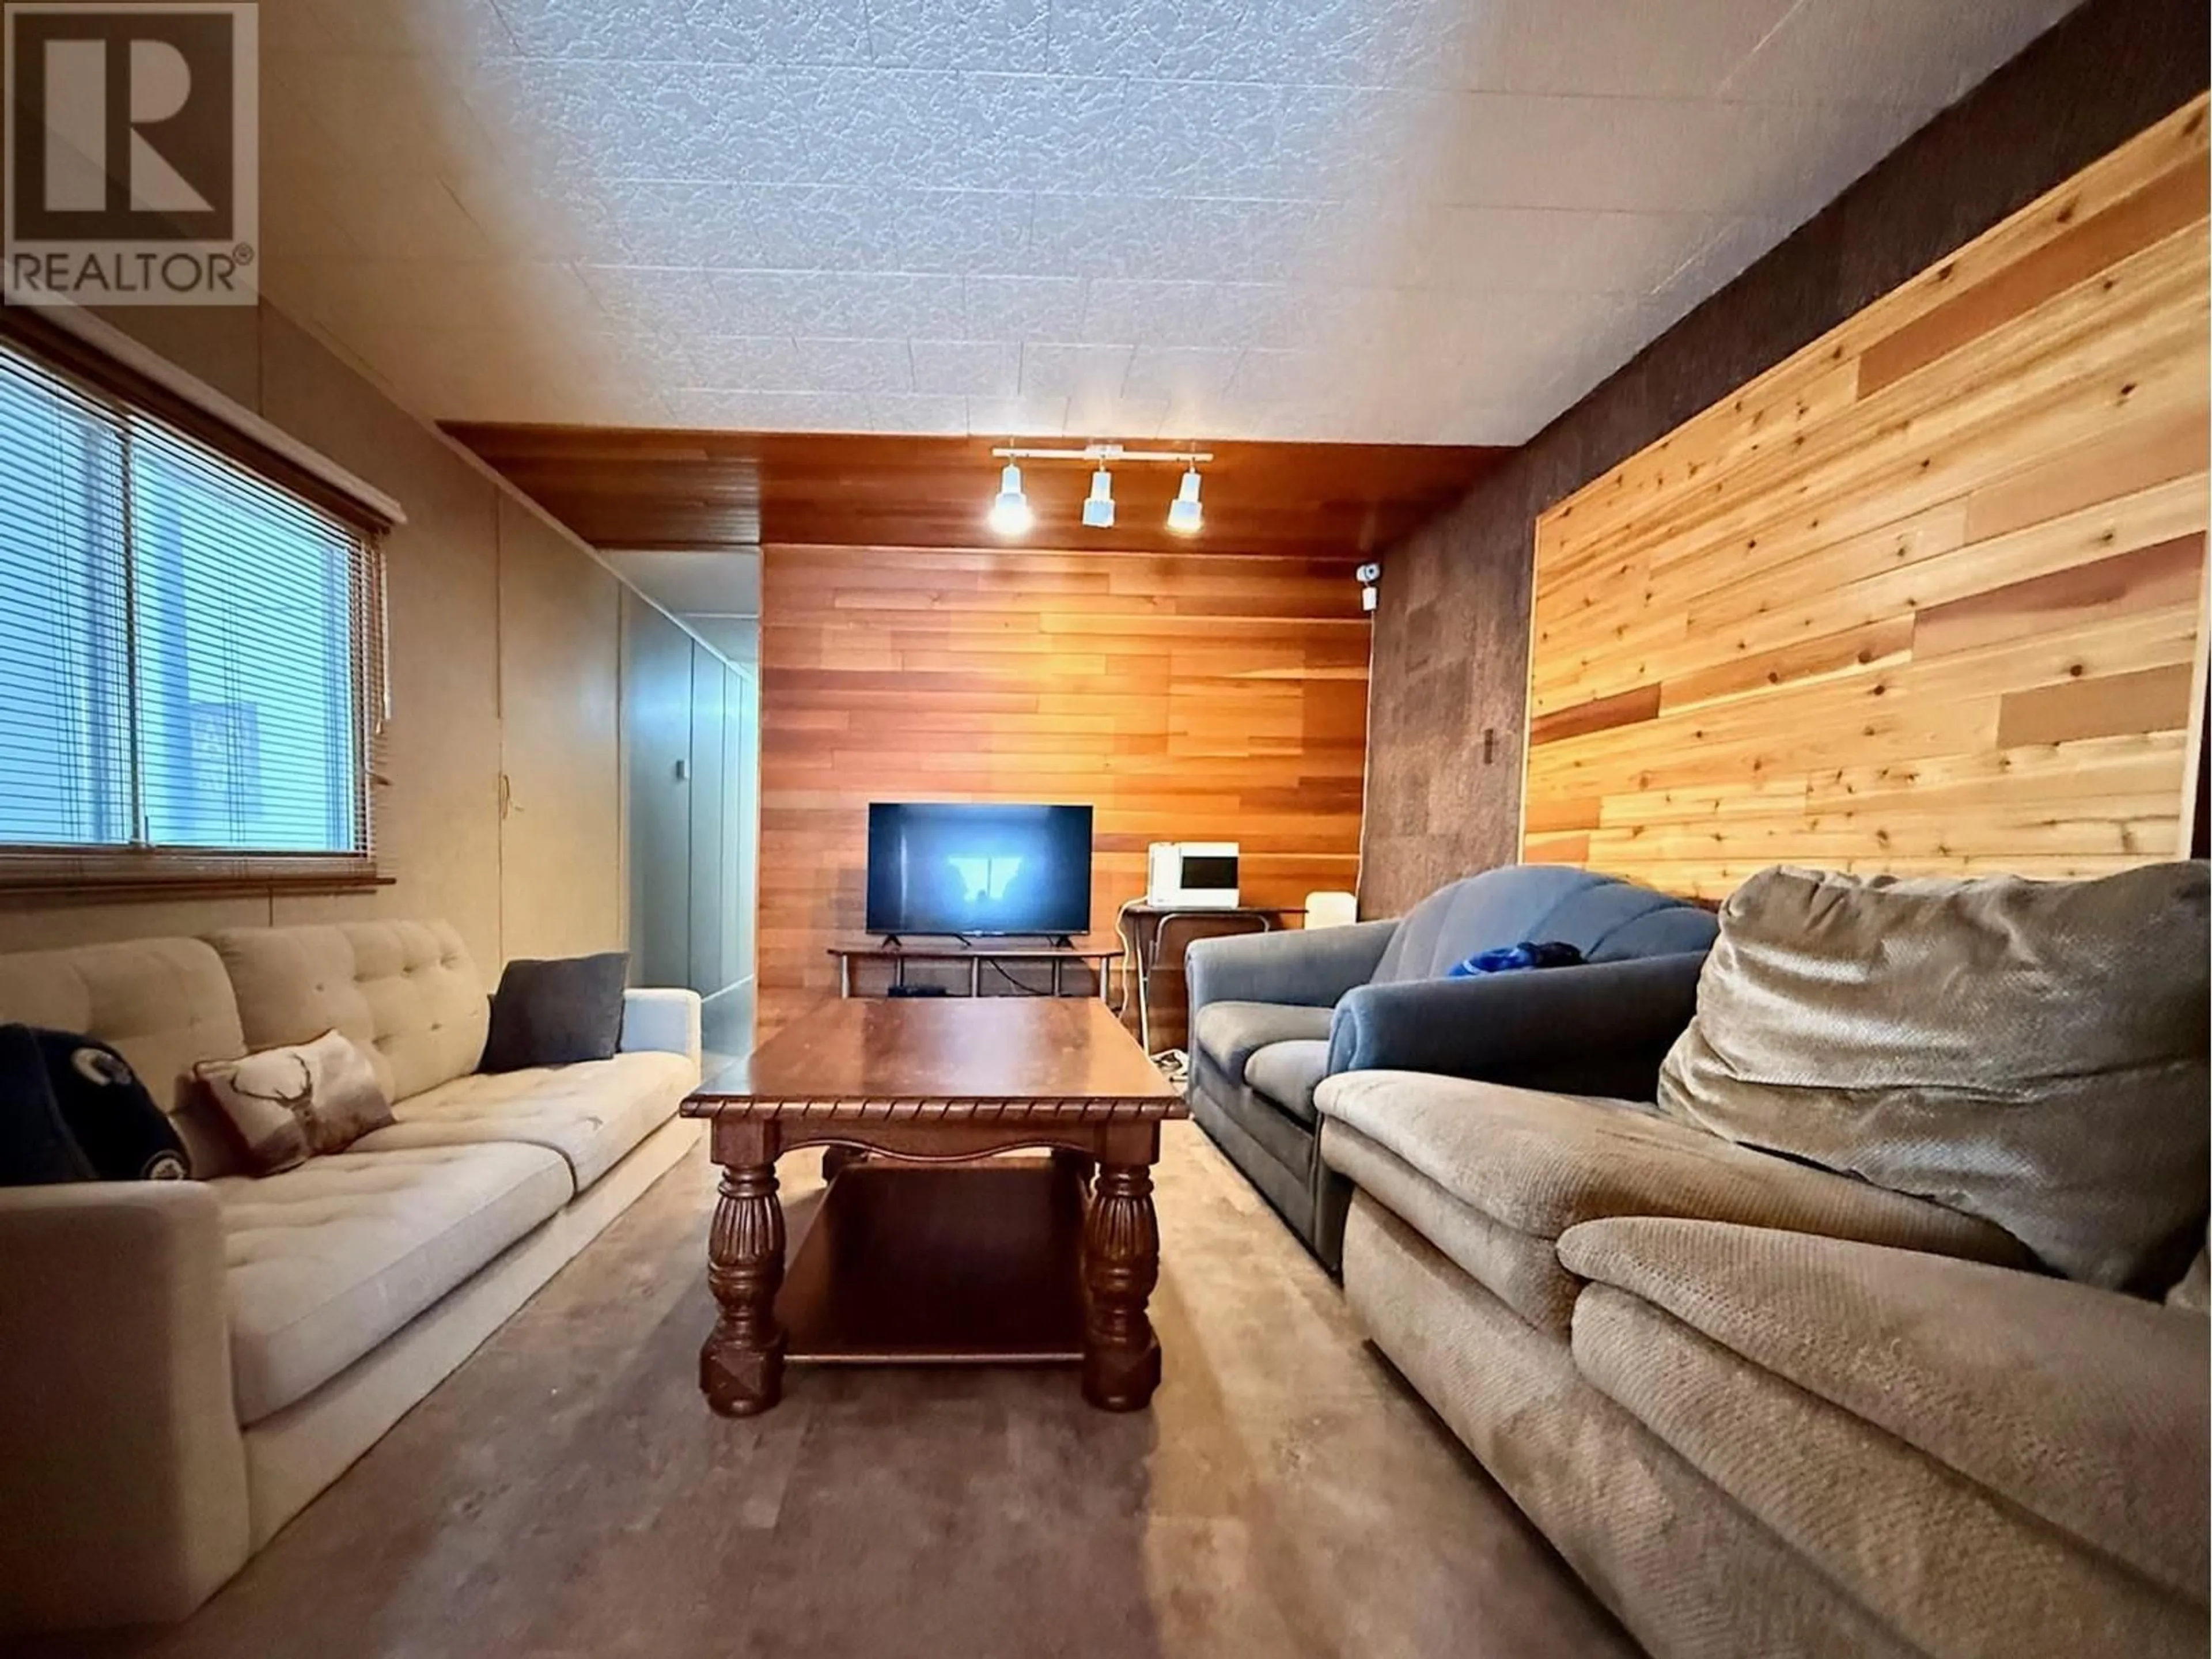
(1194, 874)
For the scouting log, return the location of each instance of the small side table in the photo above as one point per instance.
(1146, 928)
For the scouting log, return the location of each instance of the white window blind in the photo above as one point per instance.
(187, 664)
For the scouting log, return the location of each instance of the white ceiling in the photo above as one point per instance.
(1412, 221)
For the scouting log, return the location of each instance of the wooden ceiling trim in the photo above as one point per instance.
(682, 491)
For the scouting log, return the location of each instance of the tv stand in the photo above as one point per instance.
(1059, 949)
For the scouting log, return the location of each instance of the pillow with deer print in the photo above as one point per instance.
(286, 1104)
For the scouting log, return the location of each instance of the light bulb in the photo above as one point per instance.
(1184, 514)
(1098, 506)
(1009, 513)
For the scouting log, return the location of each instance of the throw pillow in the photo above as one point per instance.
(1516, 958)
(285, 1104)
(74, 1110)
(556, 1013)
(2030, 1051)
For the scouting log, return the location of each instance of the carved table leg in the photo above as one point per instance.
(1120, 1265)
(741, 1367)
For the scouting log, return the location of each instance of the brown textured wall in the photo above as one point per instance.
(1451, 636)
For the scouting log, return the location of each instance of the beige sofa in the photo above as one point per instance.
(1767, 1409)
(189, 1364)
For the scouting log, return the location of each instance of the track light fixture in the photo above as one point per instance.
(1184, 514)
(1009, 513)
(1098, 506)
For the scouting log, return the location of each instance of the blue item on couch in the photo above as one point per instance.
(1515, 958)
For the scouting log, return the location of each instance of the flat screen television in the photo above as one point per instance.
(941, 867)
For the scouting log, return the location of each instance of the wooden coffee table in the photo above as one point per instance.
(944, 1254)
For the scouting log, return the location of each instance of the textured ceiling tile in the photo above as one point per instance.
(1180, 374)
(1626, 153)
(1899, 52)
(854, 366)
(1022, 307)
(625, 121)
(770, 411)
(1097, 415)
(934, 414)
(1221, 41)
(810, 32)
(1017, 417)
(1147, 312)
(768, 362)
(983, 34)
(1189, 240)
(650, 297)
(1201, 138)
(980, 369)
(876, 305)
(591, 29)
(1684, 49)
(1050, 368)
(1556, 249)
(1280, 376)
(1435, 217)
(1259, 314)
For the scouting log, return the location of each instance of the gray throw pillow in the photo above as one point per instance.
(556, 1013)
(2033, 1053)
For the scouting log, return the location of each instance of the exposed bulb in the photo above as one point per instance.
(1184, 513)
(1009, 513)
(1098, 506)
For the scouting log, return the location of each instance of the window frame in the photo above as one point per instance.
(50, 873)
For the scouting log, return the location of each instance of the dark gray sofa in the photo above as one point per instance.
(1271, 1014)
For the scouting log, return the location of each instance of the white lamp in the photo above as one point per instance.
(1098, 506)
(1184, 514)
(1009, 513)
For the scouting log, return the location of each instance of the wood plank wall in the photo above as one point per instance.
(1926, 597)
(1189, 697)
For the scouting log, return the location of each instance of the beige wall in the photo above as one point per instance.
(504, 655)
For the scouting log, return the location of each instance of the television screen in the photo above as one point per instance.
(942, 868)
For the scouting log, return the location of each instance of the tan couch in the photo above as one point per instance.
(1765, 1409)
(190, 1363)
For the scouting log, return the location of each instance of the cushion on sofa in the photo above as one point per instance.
(1230, 1033)
(1540, 1163)
(2086, 1408)
(327, 1261)
(591, 1113)
(1947, 1564)
(163, 1003)
(405, 991)
(1286, 1072)
(1519, 1269)
(2032, 1053)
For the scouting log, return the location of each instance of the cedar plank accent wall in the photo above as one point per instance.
(1451, 637)
(1924, 597)
(1189, 697)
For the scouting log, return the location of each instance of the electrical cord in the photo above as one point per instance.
(1000, 969)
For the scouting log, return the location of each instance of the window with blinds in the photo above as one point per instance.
(186, 671)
